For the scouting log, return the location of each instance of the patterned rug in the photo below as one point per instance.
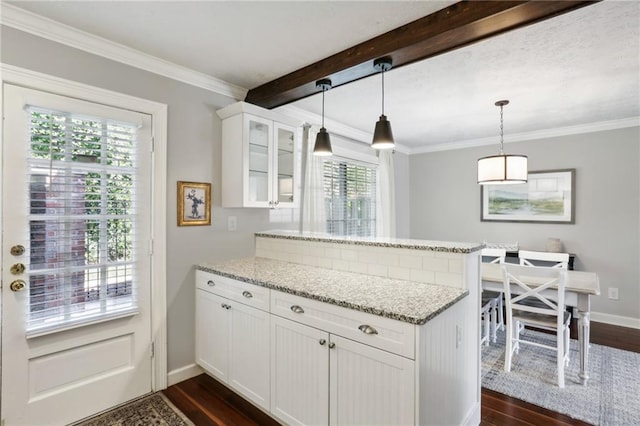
(612, 394)
(154, 409)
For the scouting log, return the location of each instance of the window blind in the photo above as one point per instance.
(350, 198)
(82, 219)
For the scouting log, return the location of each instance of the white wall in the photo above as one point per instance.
(445, 205)
(194, 132)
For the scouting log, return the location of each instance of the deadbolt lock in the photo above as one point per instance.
(17, 250)
(17, 285)
(17, 268)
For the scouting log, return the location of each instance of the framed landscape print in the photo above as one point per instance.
(547, 197)
(194, 203)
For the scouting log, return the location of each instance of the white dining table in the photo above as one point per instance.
(579, 287)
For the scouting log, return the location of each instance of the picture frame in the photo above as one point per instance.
(194, 203)
(548, 197)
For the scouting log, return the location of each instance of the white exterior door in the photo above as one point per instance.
(76, 303)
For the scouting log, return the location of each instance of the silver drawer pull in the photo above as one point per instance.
(367, 329)
(247, 294)
(297, 309)
(210, 283)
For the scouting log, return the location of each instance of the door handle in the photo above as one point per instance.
(17, 268)
(17, 285)
(17, 250)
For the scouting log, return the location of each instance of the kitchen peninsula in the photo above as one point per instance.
(318, 329)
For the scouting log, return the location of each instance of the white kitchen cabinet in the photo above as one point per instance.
(319, 378)
(259, 158)
(232, 338)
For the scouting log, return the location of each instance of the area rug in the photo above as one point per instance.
(612, 394)
(154, 409)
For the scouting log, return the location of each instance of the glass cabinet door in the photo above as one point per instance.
(284, 164)
(259, 141)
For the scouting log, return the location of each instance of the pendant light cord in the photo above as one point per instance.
(382, 91)
(501, 132)
(323, 90)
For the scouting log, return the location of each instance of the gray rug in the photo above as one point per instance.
(154, 409)
(611, 397)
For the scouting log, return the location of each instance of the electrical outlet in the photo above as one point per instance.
(613, 293)
(458, 336)
(232, 223)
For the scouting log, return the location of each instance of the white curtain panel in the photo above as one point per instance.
(312, 215)
(386, 196)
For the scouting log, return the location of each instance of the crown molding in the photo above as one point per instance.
(49, 29)
(528, 136)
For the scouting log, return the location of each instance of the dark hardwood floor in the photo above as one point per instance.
(209, 403)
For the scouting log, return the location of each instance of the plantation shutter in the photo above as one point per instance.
(83, 202)
(350, 198)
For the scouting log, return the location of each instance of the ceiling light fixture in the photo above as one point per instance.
(322, 146)
(382, 136)
(502, 168)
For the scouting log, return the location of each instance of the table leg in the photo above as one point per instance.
(583, 342)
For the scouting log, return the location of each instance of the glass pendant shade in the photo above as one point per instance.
(382, 135)
(322, 147)
(502, 169)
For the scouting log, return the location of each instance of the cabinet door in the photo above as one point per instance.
(249, 353)
(258, 182)
(284, 165)
(212, 331)
(299, 373)
(369, 386)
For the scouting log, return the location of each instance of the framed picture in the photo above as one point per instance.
(194, 203)
(548, 197)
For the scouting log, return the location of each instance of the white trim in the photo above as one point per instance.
(158, 112)
(538, 134)
(615, 320)
(184, 373)
(49, 29)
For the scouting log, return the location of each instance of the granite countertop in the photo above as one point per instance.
(407, 301)
(441, 246)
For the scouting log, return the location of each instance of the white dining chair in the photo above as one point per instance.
(523, 284)
(495, 255)
(543, 258)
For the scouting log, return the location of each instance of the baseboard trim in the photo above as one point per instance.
(615, 320)
(473, 417)
(183, 373)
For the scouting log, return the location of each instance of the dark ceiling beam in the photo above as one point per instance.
(456, 26)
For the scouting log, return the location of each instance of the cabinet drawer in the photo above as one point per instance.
(249, 294)
(380, 332)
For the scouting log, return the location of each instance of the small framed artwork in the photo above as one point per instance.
(194, 203)
(548, 197)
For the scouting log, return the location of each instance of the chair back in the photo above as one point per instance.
(497, 255)
(524, 287)
(557, 260)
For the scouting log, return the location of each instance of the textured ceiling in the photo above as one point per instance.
(580, 68)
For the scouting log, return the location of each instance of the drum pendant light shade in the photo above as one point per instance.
(322, 147)
(382, 135)
(502, 169)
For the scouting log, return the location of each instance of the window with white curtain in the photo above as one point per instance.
(82, 219)
(350, 198)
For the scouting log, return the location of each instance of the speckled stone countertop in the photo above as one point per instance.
(442, 246)
(407, 301)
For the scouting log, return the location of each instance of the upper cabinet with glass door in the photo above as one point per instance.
(259, 158)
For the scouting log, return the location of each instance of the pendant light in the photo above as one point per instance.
(502, 168)
(382, 136)
(322, 146)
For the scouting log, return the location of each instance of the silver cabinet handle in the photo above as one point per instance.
(322, 342)
(210, 283)
(297, 309)
(367, 329)
(247, 294)
(227, 307)
(332, 345)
